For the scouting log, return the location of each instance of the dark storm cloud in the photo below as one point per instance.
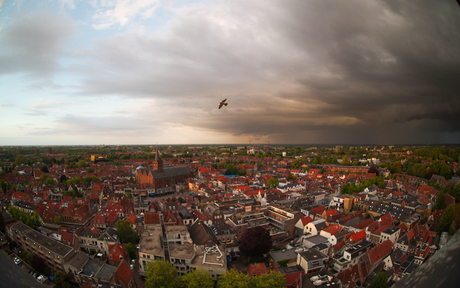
(32, 44)
(298, 71)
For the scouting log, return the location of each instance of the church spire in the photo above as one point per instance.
(157, 155)
(158, 163)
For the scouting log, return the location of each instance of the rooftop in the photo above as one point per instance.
(312, 255)
(210, 256)
(283, 254)
(181, 251)
(48, 243)
(151, 243)
(171, 229)
(441, 270)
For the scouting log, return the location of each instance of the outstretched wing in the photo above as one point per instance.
(222, 103)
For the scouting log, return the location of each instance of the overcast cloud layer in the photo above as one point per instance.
(147, 72)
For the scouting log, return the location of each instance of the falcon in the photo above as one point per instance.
(222, 103)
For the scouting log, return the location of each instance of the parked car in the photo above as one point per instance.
(17, 261)
(131, 266)
(41, 278)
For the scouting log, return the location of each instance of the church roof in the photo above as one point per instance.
(169, 172)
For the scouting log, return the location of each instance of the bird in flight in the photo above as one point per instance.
(222, 103)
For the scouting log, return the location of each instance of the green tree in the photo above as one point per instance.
(82, 163)
(272, 280)
(44, 176)
(273, 182)
(295, 164)
(87, 179)
(131, 250)
(456, 191)
(380, 281)
(241, 172)
(291, 177)
(446, 171)
(446, 220)
(197, 279)
(440, 201)
(20, 159)
(233, 279)
(61, 279)
(231, 170)
(27, 256)
(126, 233)
(50, 181)
(57, 220)
(160, 274)
(2, 223)
(77, 180)
(4, 186)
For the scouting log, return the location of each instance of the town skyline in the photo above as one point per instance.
(146, 72)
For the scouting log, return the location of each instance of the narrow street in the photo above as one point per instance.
(139, 282)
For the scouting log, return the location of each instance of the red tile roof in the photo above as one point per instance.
(152, 218)
(318, 210)
(132, 219)
(364, 224)
(306, 220)
(358, 236)
(333, 229)
(123, 274)
(257, 268)
(339, 245)
(117, 250)
(379, 252)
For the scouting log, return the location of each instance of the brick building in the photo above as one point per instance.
(162, 177)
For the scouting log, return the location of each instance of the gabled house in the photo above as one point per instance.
(330, 232)
(377, 254)
(107, 238)
(311, 260)
(352, 255)
(124, 276)
(117, 253)
(88, 239)
(132, 219)
(99, 221)
(202, 234)
(111, 219)
(299, 227)
(315, 227)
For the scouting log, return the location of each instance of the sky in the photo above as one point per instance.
(293, 72)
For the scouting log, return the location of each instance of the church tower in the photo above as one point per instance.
(158, 163)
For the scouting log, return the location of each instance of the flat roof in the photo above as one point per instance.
(48, 243)
(316, 239)
(181, 251)
(78, 260)
(213, 257)
(150, 242)
(312, 255)
(176, 229)
(284, 254)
